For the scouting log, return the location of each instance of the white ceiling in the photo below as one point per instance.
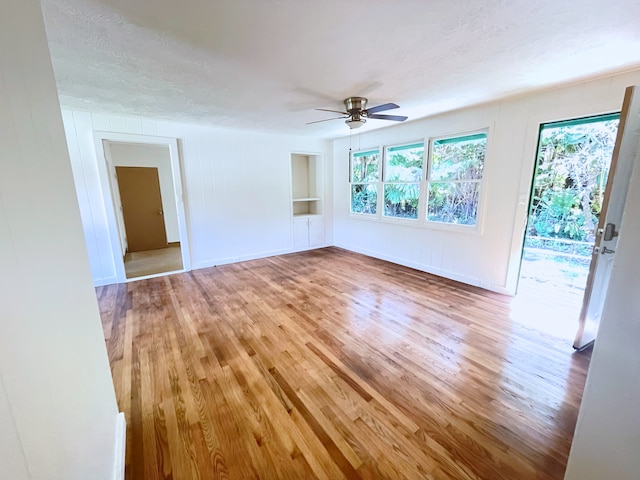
(265, 65)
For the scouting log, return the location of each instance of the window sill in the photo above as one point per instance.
(422, 224)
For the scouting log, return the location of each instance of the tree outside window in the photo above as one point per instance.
(364, 178)
(402, 177)
(571, 173)
(454, 178)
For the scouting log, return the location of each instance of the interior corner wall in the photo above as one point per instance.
(155, 156)
(236, 185)
(58, 408)
(491, 258)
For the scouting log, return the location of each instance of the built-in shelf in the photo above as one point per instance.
(308, 199)
(306, 184)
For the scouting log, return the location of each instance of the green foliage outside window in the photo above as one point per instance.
(365, 173)
(365, 167)
(453, 202)
(403, 173)
(571, 175)
(364, 198)
(456, 170)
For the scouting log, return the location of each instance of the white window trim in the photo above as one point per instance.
(421, 221)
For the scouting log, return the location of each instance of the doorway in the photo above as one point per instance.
(567, 194)
(143, 199)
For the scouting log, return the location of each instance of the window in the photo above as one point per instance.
(453, 182)
(390, 184)
(402, 177)
(364, 178)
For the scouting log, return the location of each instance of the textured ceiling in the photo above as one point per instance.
(265, 65)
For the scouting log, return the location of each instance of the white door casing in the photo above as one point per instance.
(105, 166)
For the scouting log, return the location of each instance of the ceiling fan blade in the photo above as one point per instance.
(382, 108)
(334, 111)
(395, 118)
(325, 120)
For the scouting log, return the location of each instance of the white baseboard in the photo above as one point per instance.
(426, 268)
(306, 249)
(100, 282)
(255, 256)
(120, 447)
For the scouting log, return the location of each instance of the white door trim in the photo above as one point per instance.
(530, 150)
(104, 161)
(120, 447)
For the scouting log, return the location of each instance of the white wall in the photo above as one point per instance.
(137, 155)
(237, 187)
(489, 259)
(12, 459)
(606, 443)
(57, 404)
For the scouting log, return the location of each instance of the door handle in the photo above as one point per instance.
(602, 250)
(610, 232)
(160, 211)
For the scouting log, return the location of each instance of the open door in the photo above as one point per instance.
(624, 152)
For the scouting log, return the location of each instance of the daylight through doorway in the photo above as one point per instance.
(568, 188)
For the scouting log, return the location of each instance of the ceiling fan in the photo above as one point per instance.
(357, 114)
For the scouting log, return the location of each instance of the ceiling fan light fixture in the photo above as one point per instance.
(355, 122)
(356, 113)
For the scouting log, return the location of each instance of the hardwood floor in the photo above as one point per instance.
(150, 262)
(328, 364)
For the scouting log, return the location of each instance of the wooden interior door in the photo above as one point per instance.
(624, 153)
(142, 208)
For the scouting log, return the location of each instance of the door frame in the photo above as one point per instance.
(109, 192)
(529, 152)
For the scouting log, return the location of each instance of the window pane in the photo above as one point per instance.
(364, 198)
(460, 158)
(365, 166)
(453, 203)
(404, 164)
(401, 200)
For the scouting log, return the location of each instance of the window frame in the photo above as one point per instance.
(420, 182)
(477, 226)
(352, 155)
(422, 221)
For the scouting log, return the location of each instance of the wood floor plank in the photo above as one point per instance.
(328, 364)
(148, 440)
(329, 428)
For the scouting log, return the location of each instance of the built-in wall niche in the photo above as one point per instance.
(306, 200)
(306, 184)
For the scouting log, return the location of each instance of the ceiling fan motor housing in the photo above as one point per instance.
(357, 113)
(355, 105)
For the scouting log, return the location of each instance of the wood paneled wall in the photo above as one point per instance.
(237, 187)
(489, 258)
